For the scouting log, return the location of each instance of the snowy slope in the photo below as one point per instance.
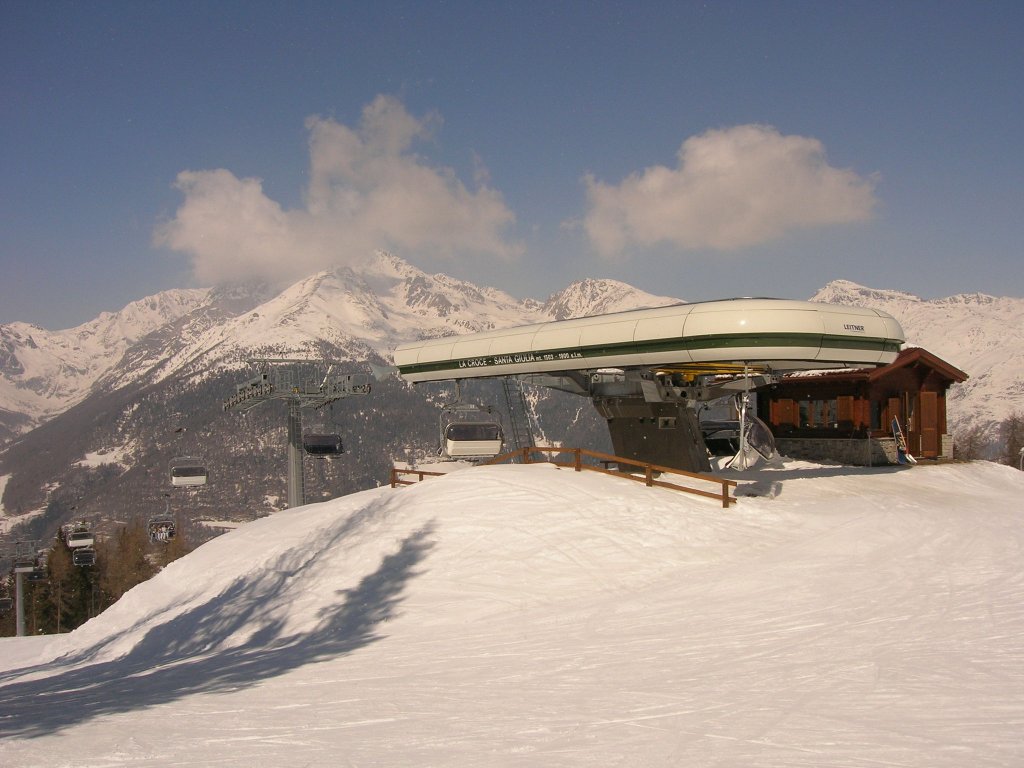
(530, 616)
(981, 335)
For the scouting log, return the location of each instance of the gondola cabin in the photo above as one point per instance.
(84, 556)
(188, 472)
(464, 440)
(722, 438)
(322, 446)
(80, 538)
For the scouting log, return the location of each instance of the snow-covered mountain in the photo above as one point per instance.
(362, 313)
(43, 372)
(595, 297)
(191, 333)
(981, 335)
(367, 313)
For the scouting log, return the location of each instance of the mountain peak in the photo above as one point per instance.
(848, 292)
(599, 296)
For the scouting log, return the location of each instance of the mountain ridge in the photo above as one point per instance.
(191, 331)
(362, 313)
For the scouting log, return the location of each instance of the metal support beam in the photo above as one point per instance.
(296, 482)
(664, 433)
(19, 603)
(518, 413)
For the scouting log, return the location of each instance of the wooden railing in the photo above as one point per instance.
(397, 476)
(649, 474)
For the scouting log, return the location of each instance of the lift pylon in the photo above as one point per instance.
(304, 384)
(25, 557)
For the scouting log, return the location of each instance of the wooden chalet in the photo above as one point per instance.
(846, 416)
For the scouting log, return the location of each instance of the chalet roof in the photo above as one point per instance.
(907, 357)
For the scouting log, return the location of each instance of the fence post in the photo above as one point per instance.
(649, 475)
(394, 477)
(725, 495)
(578, 466)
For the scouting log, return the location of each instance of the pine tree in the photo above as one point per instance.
(8, 618)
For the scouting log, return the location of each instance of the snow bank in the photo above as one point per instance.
(514, 616)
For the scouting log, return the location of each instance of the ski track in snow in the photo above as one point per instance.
(531, 616)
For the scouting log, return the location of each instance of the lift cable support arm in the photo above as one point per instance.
(304, 384)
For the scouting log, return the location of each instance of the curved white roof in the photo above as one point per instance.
(777, 333)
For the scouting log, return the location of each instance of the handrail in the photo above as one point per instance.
(396, 480)
(649, 471)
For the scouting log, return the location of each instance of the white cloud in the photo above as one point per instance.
(732, 189)
(367, 190)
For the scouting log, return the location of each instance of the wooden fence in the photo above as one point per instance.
(398, 476)
(593, 461)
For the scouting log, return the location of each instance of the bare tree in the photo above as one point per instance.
(972, 443)
(1011, 435)
(124, 560)
(59, 570)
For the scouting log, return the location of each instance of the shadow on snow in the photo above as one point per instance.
(182, 657)
(758, 482)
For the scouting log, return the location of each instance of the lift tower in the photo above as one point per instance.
(25, 557)
(304, 384)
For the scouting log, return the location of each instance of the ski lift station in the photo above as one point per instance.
(647, 370)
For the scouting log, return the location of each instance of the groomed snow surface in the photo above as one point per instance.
(532, 616)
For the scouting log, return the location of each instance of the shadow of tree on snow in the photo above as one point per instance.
(185, 656)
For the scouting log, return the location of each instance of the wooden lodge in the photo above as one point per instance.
(846, 416)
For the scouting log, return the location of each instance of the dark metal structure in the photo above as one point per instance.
(305, 385)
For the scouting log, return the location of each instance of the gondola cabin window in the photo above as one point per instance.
(322, 446)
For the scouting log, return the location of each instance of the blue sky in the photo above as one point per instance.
(697, 150)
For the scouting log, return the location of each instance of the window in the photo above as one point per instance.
(818, 413)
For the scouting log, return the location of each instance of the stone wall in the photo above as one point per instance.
(861, 452)
(947, 447)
